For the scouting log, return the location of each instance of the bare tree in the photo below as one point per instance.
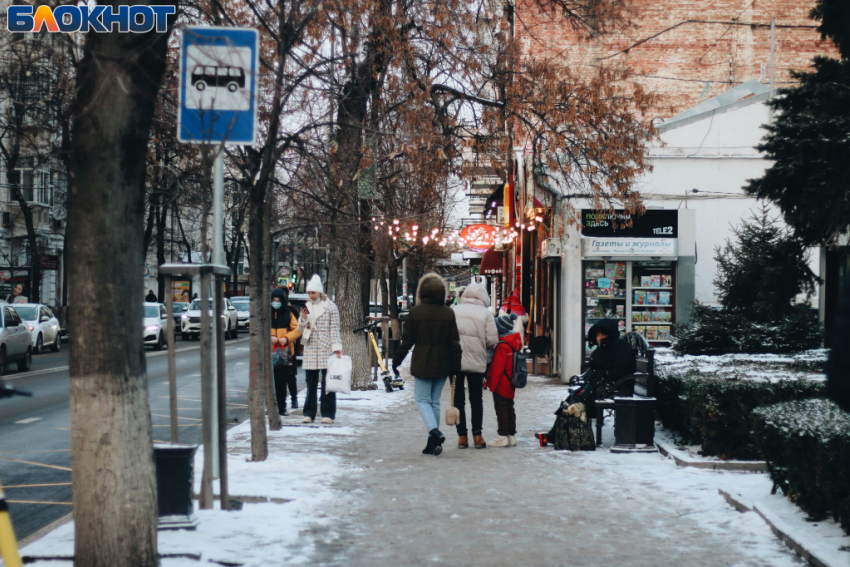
(111, 444)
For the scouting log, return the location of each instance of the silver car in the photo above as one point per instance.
(243, 314)
(190, 321)
(42, 325)
(15, 341)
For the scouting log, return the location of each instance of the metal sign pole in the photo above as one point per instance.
(217, 259)
(206, 501)
(221, 391)
(172, 364)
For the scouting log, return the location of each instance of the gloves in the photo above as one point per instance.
(578, 411)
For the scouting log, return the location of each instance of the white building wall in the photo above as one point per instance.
(714, 153)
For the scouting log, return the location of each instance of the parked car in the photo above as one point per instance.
(15, 341)
(243, 315)
(42, 325)
(190, 321)
(154, 325)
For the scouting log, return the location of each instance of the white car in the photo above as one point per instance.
(243, 314)
(154, 325)
(15, 340)
(42, 324)
(190, 321)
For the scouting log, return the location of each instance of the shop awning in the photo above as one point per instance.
(491, 263)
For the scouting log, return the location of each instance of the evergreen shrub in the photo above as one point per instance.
(806, 444)
(716, 412)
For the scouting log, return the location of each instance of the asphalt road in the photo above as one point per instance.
(35, 441)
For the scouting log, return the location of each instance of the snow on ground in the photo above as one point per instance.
(306, 463)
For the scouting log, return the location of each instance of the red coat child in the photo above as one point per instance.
(501, 369)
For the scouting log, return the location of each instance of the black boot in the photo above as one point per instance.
(429, 447)
(294, 402)
(438, 440)
(283, 412)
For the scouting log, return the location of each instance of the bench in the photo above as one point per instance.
(631, 400)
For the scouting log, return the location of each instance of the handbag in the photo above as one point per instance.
(452, 413)
(281, 357)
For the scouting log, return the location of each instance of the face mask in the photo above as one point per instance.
(318, 299)
(276, 304)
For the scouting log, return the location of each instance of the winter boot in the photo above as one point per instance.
(429, 447)
(500, 441)
(463, 442)
(284, 413)
(479, 441)
(511, 441)
(439, 439)
(294, 402)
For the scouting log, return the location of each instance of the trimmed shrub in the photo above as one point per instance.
(718, 331)
(716, 412)
(806, 444)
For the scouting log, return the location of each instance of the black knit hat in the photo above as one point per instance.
(505, 324)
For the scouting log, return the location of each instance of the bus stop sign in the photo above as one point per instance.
(218, 85)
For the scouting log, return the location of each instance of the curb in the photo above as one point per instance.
(813, 552)
(684, 460)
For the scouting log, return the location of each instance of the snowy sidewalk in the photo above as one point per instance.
(360, 492)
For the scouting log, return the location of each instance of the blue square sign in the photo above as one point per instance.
(218, 86)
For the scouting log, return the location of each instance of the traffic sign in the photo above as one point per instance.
(218, 85)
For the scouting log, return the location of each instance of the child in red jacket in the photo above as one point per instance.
(499, 380)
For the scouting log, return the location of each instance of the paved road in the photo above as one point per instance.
(35, 456)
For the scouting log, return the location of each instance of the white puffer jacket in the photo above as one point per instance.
(476, 326)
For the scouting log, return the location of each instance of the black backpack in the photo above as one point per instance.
(519, 376)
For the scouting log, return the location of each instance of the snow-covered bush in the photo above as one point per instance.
(806, 444)
(709, 400)
(720, 331)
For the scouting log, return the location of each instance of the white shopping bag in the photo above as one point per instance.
(338, 377)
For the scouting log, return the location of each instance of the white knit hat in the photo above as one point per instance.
(315, 284)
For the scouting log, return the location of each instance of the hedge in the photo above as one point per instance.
(806, 444)
(716, 412)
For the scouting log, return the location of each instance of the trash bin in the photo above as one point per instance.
(634, 421)
(175, 472)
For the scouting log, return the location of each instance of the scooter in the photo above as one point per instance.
(389, 380)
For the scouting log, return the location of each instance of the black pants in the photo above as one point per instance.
(284, 377)
(505, 415)
(328, 399)
(475, 381)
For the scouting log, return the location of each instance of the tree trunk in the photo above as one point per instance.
(268, 381)
(259, 308)
(114, 501)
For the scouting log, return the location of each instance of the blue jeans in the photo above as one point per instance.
(427, 393)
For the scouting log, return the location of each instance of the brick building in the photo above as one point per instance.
(686, 50)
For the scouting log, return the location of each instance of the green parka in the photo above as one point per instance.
(431, 326)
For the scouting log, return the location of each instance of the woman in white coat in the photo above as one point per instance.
(478, 334)
(319, 326)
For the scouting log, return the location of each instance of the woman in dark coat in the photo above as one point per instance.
(285, 333)
(431, 326)
(612, 359)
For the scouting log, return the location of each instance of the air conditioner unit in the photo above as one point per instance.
(551, 249)
(8, 219)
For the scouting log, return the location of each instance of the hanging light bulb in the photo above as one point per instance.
(377, 227)
(425, 240)
(415, 227)
(395, 221)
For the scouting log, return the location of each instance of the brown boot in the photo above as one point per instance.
(479, 442)
(462, 442)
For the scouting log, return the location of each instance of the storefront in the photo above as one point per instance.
(641, 276)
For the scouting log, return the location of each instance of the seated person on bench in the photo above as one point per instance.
(612, 359)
